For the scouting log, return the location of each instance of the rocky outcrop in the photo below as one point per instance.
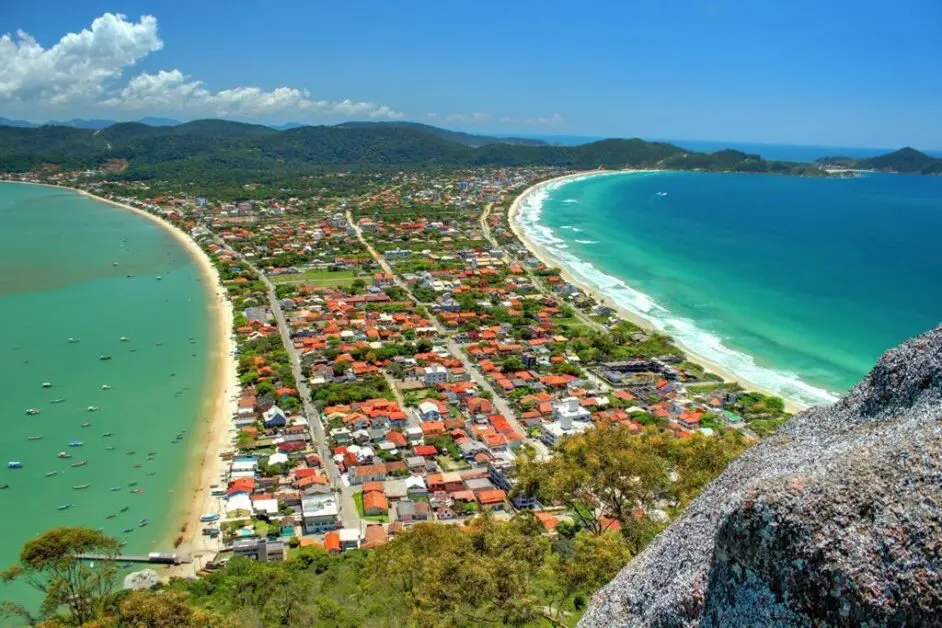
(143, 579)
(834, 520)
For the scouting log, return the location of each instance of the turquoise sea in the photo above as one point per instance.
(58, 281)
(794, 284)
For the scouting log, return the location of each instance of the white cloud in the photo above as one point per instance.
(78, 65)
(171, 91)
(553, 119)
(81, 69)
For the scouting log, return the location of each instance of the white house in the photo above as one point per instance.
(428, 411)
(274, 417)
(320, 513)
(435, 374)
(570, 408)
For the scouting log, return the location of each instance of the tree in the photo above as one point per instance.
(485, 574)
(48, 564)
(601, 474)
(165, 609)
(586, 563)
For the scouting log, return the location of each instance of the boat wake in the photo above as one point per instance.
(685, 331)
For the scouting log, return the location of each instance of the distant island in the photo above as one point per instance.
(219, 150)
(905, 160)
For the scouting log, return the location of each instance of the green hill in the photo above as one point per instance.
(467, 139)
(220, 150)
(905, 160)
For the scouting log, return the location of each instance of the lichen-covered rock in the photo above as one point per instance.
(835, 520)
(143, 579)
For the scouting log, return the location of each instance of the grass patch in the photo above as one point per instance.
(319, 277)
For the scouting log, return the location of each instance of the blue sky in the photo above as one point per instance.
(840, 73)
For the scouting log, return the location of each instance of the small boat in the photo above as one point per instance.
(114, 263)
(132, 483)
(111, 516)
(150, 473)
(115, 488)
(34, 437)
(47, 385)
(14, 464)
(137, 466)
(124, 339)
(80, 463)
(75, 443)
(662, 193)
(106, 435)
(125, 509)
(91, 409)
(86, 424)
(128, 530)
(64, 507)
(137, 491)
(32, 411)
(209, 517)
(73, 340)
(63, 454)
(159, 277)
(49, 474)
(60, 400)
(151, 453)
(105, 387)
(142, 523)
(104, 356)
(109, 448)
(79, 487)
(130, 452)
(4, 486)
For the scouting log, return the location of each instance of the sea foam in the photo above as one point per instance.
(685, 331)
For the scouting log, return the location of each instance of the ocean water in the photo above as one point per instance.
(58, 281)
(795, 284)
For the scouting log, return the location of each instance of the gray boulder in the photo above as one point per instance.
(834, 520)
(143, 579)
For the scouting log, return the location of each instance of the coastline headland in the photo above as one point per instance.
(549, 259)
(214, 432)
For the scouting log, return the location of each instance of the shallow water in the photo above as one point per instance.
(58, 281)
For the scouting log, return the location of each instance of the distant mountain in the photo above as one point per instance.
(80, 123)
(216, 151)
(905, 160)
(455, 136)
(287, 126)
(152, 121)
(17, 123)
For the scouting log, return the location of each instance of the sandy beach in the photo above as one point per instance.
(215, 428)
(549, 259)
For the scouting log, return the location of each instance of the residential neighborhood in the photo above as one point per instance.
(400, 352)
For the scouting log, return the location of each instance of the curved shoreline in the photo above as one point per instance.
(547, 257)
(215, 431)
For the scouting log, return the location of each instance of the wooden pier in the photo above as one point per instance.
(154, 558)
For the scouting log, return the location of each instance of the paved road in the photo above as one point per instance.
(348, 511)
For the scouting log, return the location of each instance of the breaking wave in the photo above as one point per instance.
(685, 331)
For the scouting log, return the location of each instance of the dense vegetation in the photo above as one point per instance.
(614, 491)
(213, 150)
